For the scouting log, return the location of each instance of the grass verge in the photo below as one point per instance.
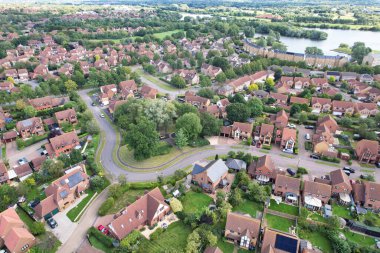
(75, 211)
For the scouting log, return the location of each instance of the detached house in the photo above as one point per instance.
(275, 241)
(148, 92)
(48, 102)
(367, 194)
(241, 130)
(320, 105)
(66, 116)
(29, 127)
(63, 192)
(242, 230)
(367, 151)
(366, 109)
(263, 170)
(212, 175)
(148, 210)
(341, 186)
(281, 99)
(127, 88)
(63, 144)
(266, 134)
(316, 194)
(321, 83)
(288, 188)
(341, 108)
(301, 82)
(288, 139)
(197, 101)
(210, 70)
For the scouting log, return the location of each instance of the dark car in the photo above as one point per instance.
(290, 171)
(52, 223)
(309, 127)
(351, 170)
(315, 156)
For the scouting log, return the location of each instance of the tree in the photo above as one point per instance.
(313, 51)
(131, 242)
(346, 121)
(204, 81)
(230, 74)
(178, 81)
(10, 79)
(70, 85)
(91, 127)
(302, 117)
(279, 46)
(236, 197)
(149, 68)
(221, 63)
(206, 93)
(182, 108)
(256, 107)
(257, 192)
(338, 96)
(210, 124)
(160, 112)
(98, 183)
(181, 139)
(8, 196)
(358, 51)
(142, 138)
(52, 168)
(262, 42)
(253, 87)
(221, 77)
(249, 32)
(20, 104)
(238, 112)
(30, 111)
(269, 84)
(294, 109)
(191, 125)
(175, 205)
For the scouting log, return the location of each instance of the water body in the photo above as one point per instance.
(334, 38)
(194, 15)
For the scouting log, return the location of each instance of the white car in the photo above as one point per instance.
(307, 136)
(102, 115)
(291, 126)
(289, 151)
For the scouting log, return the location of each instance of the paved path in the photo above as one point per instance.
(85, 222)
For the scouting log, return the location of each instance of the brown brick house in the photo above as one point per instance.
(148, 92)
(367, 194)
(48, 102)
(127, 88)
(266, 134)
(29, 127)
(340, 186)
(63, 192)
(242, 230)
(288, 188)
(316, 194)
(241, 130)
(198, 101)
(367, 151)
(147, 210)
(341, 108)
(62, 144)
(320, 105)
(328, 122)
(366, 109)
(273, 242)
(66, 116)
(264, 169)
(209, 177)
(288, 139)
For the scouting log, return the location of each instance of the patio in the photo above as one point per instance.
(169, 219)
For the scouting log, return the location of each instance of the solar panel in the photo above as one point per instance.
(27, 122)
(75, 179)
(63, 194)
(286, 243)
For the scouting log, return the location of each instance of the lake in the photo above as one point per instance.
(335, 37)
(194, 15)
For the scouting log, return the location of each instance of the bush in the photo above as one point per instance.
(330, 159)
(302, 171)
(142, 185)
(199, 143)
(37, 228)
(267, 147)
(105, 240)
(106, 206)
(156, 234)
(163, 149)
(35, 138)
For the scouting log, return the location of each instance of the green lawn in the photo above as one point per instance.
(225, 247)
(359, 238)
(194, 202)
(249, 207)
(127, 198)
(341, 211)
(174, 239)
(74, 212)
(284, 208)
(278, 222)
(156, 80)
(164, 34)
(317, 217)
(24, 217)
(317, 239)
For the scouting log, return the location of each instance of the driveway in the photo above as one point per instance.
(302, 131)
(29, 153)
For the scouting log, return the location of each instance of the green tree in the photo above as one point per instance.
(20, 104)
(358, 51)
(175, 205)
(238, 112)
(53, 168)
(191, 125)
(204, 81)
(70, 85)
(256, 107)
(206, 93)
(178, 81)
(269, 84)
(149, 68)
(294, 109)
(221, 77)
(160, 112)
(313, 51)
(30, 111)
(210, 124)
(302, 117)
(182, 108)
(181, 139)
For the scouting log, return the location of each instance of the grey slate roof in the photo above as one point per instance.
(215, 169)
(236, 164)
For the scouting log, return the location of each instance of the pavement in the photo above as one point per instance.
(29, 152)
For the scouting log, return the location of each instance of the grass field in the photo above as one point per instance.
(278, 222)
(249, 207)
(74, 212)
(194, 202)
(174, 239)
(127, 198)
(317, 217)
(341, 211)
(317, 239)
(164, 34)
(224, 246)
(359, 238)
(284, 208)
(156, 81)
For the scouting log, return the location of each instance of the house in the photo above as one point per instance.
(288, 188)
(241, 130)
(63, 144)
(367, 194)
(241, 83)
(366, 78)
(297, 100)
(242, 230)
(287, 80)
(6, 86)
(264, 169)
(48, 102)
(148, 210)
(67, 116)
(10, 136)
(63, 192)
(214, 110)
(275, 241)
(210, 70)
(37, 162)
(40, 70)
(366, 109)
(288, 139)
(4, 177)
(328, 122)
(320, 83)
(212, 175)
(281, 99)
(315, 195)
(340, 186)
(23, 171)
(114, 104)
(163, 67)
(15, 238)
(236, 164)
(367, 151)
(320, 105)
(346, 76)
(148, 92)
(23, 75)
(29, 127)
(341, 108)
(197, 101)
(127, 88)
(334, 74)
(266, 134)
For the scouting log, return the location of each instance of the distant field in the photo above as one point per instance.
(164, 34)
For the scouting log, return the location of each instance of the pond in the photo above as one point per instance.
(335, 37)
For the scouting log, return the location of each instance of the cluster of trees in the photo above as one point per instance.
(240, 110)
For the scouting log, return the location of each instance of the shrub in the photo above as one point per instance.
(176, 205)
(302, 171)
(267, 147)
(199, 143)
(105, 240)
(106, 206)
(330, 159)
(142, 185)
(156, 234)
(37, 228)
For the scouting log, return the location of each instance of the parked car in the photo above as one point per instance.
(377, 165)
(309, 127)
(290, 171)
(93, 104)
(52, 223)
(289, 151)
(347, 172)
(44, 152)
(291, 126)
(315, 156)
(351, 170)
(103, 229)
(307, 136)
(102, 115)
